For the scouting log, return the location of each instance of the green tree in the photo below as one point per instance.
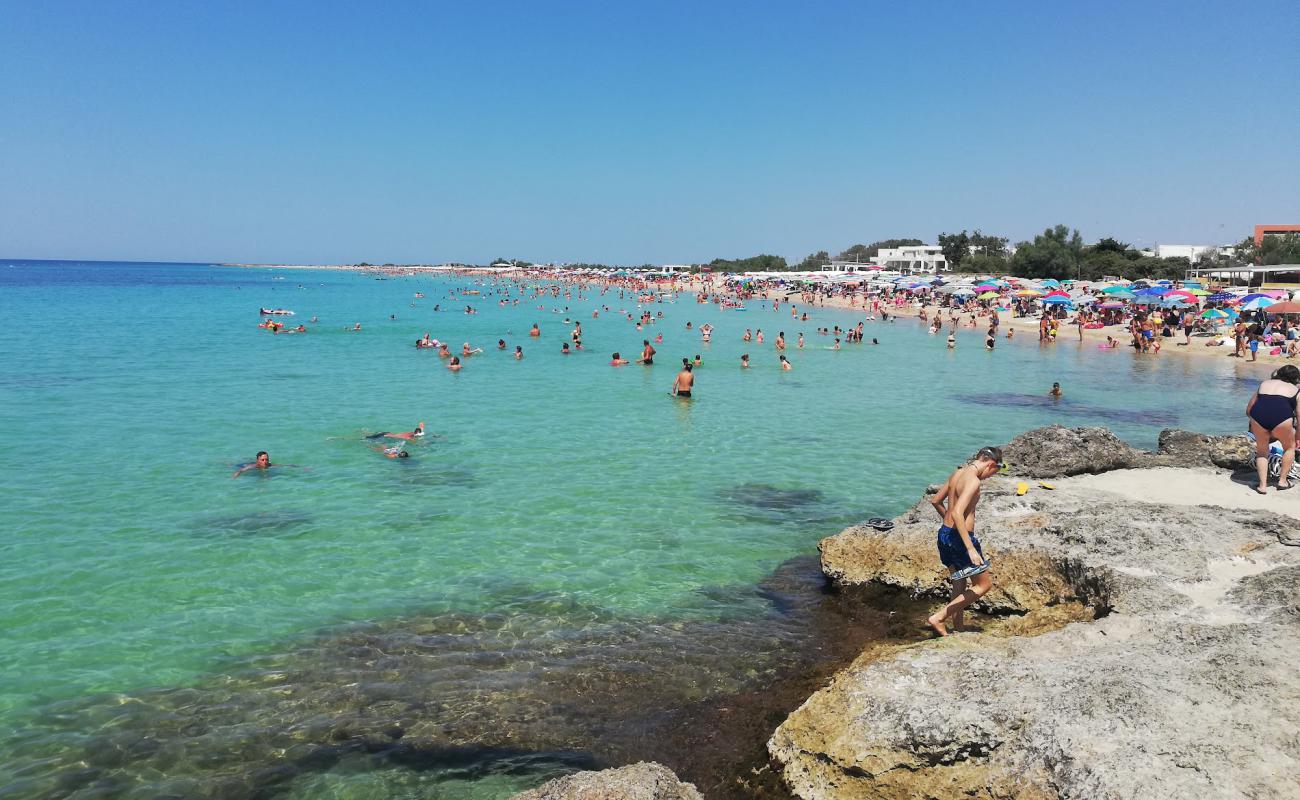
(814, 262)
(759, 263)
(985, 264)
(1055, 253)
(1278, 249)
(1109, 245)
(956, 247)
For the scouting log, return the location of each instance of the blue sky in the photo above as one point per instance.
(659, 132)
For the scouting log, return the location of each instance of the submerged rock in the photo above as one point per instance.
(641, 781)
(1182, 685)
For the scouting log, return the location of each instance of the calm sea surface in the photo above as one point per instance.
(146, 597)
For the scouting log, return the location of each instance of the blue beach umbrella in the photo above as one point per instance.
(1121, 295)
(1057, 301)
(1258, 303)
(1219, 297)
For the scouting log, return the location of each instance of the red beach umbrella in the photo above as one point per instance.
(1289, 307)
(1056, 293)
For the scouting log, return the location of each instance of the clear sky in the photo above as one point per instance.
(665, 132)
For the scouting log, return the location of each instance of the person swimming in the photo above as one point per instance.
(407, 435)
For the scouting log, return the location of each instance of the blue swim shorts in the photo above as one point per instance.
(951, 550)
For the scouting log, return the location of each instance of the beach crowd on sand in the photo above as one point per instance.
(1144, 315)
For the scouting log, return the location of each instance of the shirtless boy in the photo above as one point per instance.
(958, 547)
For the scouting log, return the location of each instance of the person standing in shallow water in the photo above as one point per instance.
(959, 550)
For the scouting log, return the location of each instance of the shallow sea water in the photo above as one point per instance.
(562, 507)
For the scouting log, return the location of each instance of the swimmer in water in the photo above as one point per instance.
(535, 331)
(564, 349)
(647, 353)
(785, 364)
(617, 361)
(519, 353)
(1056, 392)
(800, 340)
(698, 361)
(407, 435)
(261, 461)
(395, 451)
(744, 361)
(454, 366)
(501, 344)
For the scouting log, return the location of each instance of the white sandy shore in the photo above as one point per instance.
(1191, 487)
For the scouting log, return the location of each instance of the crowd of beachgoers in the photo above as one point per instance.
(1143, 315)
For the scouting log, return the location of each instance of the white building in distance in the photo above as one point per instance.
(921, 259)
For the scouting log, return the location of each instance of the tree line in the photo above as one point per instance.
(1058, 252)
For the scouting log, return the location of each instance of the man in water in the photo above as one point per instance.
(647, 353)
(260, 461)
(684, 382)
(1055, 394)
(617, 361)
(407, 435)
(396, 451)
(959, 550)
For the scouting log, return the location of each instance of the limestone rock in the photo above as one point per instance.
(1184, 685)
(1055, 451)
(641, 781)
(1187, 449)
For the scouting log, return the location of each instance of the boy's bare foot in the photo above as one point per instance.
(936, 622)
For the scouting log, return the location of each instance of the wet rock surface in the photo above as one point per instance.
(641, 781)
(1180, 683)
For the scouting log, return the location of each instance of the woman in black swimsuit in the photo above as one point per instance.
(1272, 413)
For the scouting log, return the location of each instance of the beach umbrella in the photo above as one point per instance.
(1288, 307)
(962, 290)
(1220, 297)
(1116, 290)
(1028, 293)
(1183, 293)
(1254, 296)
(1057, 293)
(1121, 295)
(1195, 290)
(1152, 291)
(1051, 282)
(1258, 303)
(1057, 300)
(1176, 302)
(988, 295)
(1215, 313)
(987, 287)
(1111, 306)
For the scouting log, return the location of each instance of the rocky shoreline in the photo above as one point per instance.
(1141, 645)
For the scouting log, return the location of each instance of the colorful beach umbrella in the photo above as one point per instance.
(1057, 300)
(988, 295)
(1116, 290)
(1254, 296)
(1028, 293)
(1057, 293)
(1221, 297)
(1215, 313)
(1195, 290)
(1110, 306)
(1258, 303)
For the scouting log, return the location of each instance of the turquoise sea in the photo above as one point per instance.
(165, 625)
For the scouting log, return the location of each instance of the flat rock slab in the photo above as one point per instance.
(1185, 686)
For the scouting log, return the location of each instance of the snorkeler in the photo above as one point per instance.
(407, 435)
